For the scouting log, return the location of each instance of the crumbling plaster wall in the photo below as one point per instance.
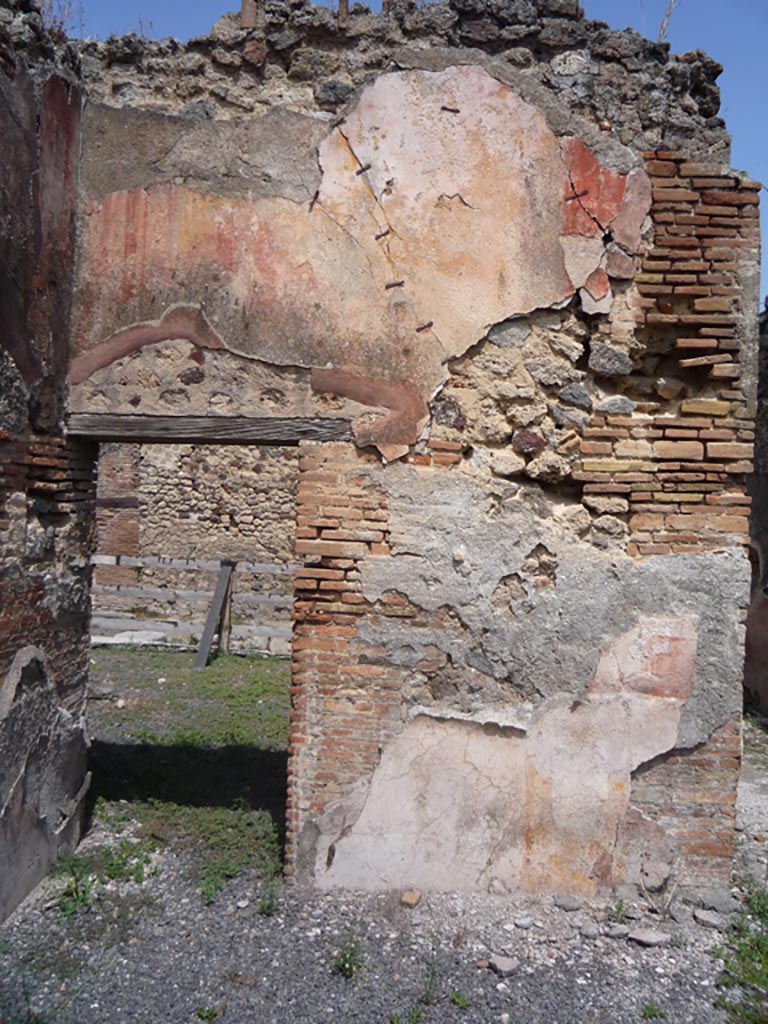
(46, 486)
(506, 245)
(368, 260)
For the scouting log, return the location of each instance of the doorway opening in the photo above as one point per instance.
(195, 761)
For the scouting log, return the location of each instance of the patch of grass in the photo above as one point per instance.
(460, 1000)
(85, 871)
(234, 700)
(126, 862)
(349, 958)
(119, 913)
(652, 1011)
(189, 744)
(745, 962)
(224, 840)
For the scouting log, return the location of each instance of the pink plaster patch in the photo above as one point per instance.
(637, 203)
(656, 658)
(597, 284)
(597, 193)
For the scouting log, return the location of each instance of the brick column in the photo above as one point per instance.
(345, 699)
(47, 496)
(680, 471)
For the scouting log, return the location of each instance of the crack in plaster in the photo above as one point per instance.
(385, 223)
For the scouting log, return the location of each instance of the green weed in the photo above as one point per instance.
(77, 894)
(460, 1000)
(85, 872)
(207, 1014)
(433, 978)
(349, 958)
(652, 1011)
(415, 1016)
(268, 898)
(617, 911)
(745, 962)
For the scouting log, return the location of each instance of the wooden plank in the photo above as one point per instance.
(225, 624)
(214, 615)
(125, 502)
(207, 429)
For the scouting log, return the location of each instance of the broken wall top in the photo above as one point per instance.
(298, 57)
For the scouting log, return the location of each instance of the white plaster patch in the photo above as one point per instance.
(455, 804)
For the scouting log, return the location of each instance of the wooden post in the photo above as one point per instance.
(343, 13)
(214, 614)
(248, 14)
(225, 630)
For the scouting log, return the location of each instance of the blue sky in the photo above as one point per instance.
(733, 32)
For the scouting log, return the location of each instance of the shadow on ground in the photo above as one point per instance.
(189, 775)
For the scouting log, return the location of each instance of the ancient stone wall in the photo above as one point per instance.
(46, 486)
(509, 667)
(489, 267)
(196, 505)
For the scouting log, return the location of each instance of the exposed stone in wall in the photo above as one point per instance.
(203, 501)
(46, 482)
(177, 375)
(298, 58)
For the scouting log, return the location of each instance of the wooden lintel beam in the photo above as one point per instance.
(207, 429)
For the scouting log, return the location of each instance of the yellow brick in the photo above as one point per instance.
(679, 449)
(616, 466)
(633, 449)
(729, 450)
(678, 496)
(705, 407)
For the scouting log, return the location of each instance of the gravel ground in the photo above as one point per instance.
(154, 953)
(166, 957)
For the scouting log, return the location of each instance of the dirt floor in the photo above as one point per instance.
(172, 910)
